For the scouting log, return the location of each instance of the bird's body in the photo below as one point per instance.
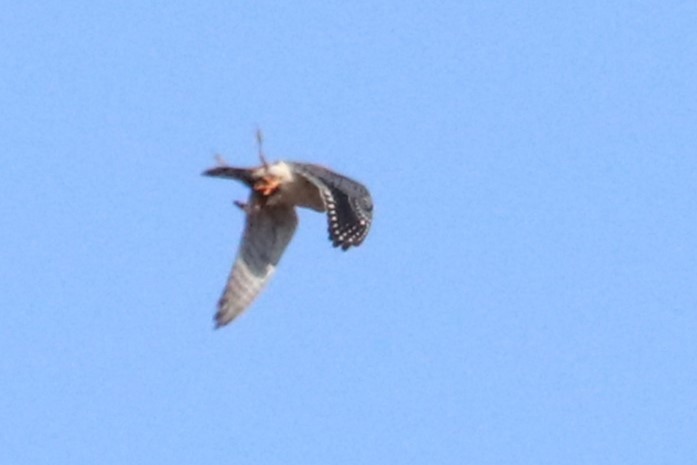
(271, 221)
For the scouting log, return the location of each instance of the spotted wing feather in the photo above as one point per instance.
(348, 203)
(268, 231)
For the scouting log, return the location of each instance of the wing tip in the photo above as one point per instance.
(345, 244)
(213, 172)
(220, 320)
(241, 174)
(353, 240)
(224, 315)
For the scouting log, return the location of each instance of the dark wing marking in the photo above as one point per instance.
(349, 205)
(230, 172)
(268, 231)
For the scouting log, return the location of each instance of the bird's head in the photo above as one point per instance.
(271, 177)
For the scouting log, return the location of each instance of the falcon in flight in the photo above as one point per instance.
(276, 189)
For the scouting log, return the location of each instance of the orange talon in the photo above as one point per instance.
(267, 185)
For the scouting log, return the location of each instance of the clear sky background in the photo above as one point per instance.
(526, 295)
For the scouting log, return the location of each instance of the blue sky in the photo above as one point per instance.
(526, 295)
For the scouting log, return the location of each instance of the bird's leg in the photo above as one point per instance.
(260, 143)
(267, 184)
(245, 207)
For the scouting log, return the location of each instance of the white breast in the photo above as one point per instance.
(295, 190)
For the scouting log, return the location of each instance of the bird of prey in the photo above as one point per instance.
(276, 189)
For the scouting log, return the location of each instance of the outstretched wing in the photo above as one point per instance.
(230, 172)
(268, 231)
(348, 202)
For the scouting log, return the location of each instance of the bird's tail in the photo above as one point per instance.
(229, 172)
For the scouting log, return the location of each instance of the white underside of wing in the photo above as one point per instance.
(268, 231)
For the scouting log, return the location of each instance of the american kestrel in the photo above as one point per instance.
(271, 220)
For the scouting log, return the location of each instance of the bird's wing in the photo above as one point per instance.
(348, 202)
(230, 172)
(268, 231)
